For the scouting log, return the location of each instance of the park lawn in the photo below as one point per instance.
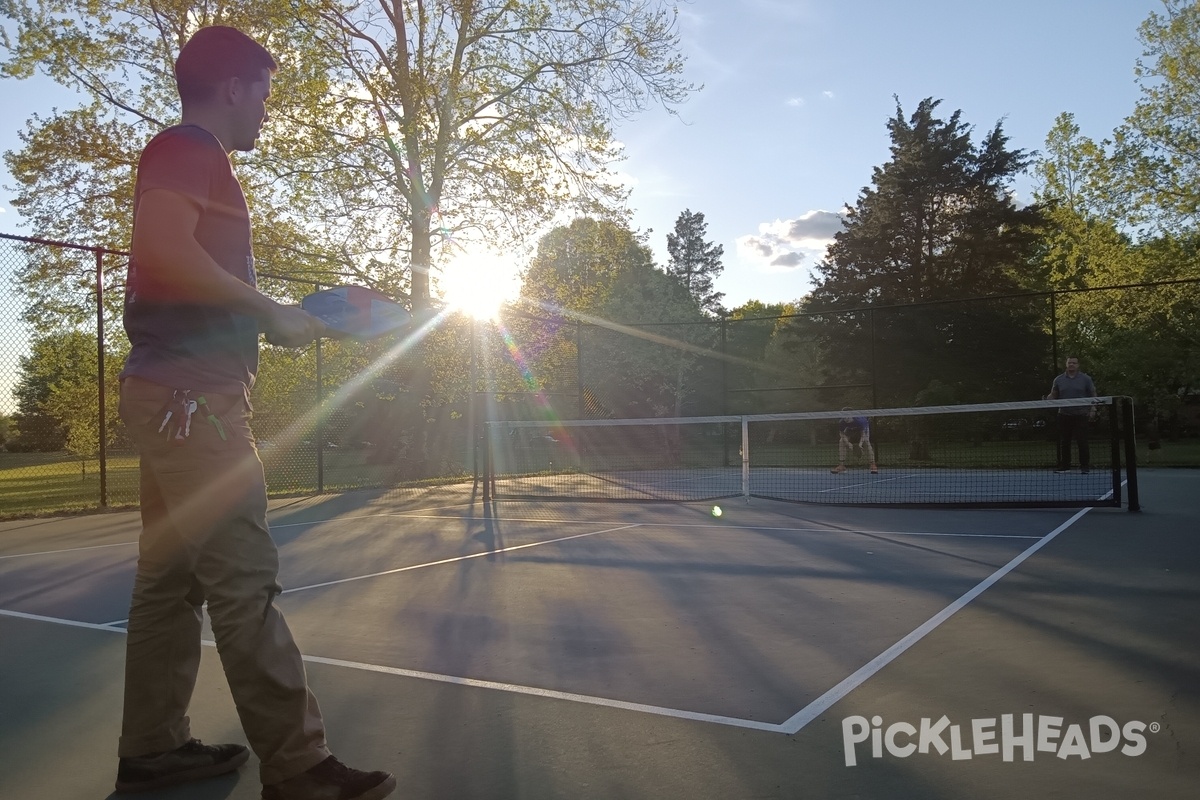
(41, 484)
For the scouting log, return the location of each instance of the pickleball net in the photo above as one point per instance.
(993, 455)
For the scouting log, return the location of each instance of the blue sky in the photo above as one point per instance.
(797, 95)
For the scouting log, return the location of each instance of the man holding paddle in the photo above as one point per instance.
(193, 315)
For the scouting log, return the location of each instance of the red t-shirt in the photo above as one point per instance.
(174, 342)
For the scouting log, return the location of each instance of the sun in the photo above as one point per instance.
(479, 284)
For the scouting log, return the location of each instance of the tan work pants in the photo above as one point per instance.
(205, 539)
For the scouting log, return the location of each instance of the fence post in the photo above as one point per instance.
(320, 427)
(579, 368)
(874, 382)
(472, 399)
(1054, 332)
(724, 363)
(102, 417)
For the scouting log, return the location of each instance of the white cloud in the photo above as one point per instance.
(796, 102)
(784, 245)
(828, 95)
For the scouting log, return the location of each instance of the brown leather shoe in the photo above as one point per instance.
(332, 780)
(191, 761)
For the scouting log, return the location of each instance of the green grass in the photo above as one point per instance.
(40, 484)
(1181, 453)
(45, 484)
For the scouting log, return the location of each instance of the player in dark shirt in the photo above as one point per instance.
(848, 427)
(193, 315)
(1073, 421)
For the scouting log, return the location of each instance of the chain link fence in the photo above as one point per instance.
(403, 411)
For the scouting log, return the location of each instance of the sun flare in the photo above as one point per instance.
(479, 284)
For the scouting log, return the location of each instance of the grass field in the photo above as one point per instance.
(45, 484)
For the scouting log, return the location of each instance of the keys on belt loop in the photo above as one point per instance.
(213, 418)
(183, 423)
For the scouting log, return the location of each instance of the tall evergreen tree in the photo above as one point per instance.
(694, 261)
(938, 223)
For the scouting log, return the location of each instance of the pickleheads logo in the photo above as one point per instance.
(984, 737)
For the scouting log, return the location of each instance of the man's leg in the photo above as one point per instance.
(843, 446)
(1066, 430)
(223, 502)
(1082, 438)
(865, 444)
(162, 647)
(262, 663)
(211, 499)
(163, 641)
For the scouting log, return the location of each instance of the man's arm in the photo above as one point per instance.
(164, 244)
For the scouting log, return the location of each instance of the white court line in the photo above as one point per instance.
(68, 550)
(512, 688)
(874, 482)
(822, 704)
(728, 526)
(95, 626)
(717, 525)
(369, 516)
(790, 726)
(552, 694)
(458, 558)
(431, 564)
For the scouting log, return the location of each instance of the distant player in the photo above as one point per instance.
(1073, 421)
(848, 427)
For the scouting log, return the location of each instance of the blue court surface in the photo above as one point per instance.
(617, 650)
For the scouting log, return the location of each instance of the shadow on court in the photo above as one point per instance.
(552, 651)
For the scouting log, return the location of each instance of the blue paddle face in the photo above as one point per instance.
(356, 312)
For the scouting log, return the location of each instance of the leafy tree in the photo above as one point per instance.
(57, 395)
(694, 261)
(7, 429)
(1156, 151)
(938, 223)
(1083, 235)
(397, 127)
(646, 370)
(576, 266)
(1138, 341)
(568, 283)
(400, 130)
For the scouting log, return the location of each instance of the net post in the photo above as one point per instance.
(746, 458)
(1130, 439)
(488, 476)
(1114, 440)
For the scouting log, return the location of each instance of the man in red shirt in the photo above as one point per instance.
(193, 315)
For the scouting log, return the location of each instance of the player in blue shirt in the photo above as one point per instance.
(848, 427)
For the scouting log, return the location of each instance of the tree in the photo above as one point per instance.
(1156, 151)
(694, 261)
(1139, 341)
(7, 429)
(644, 370)
(938, 224)
(56, 394)
(565, 289)
(399, 129)
(1083, 234)
(576, 266)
